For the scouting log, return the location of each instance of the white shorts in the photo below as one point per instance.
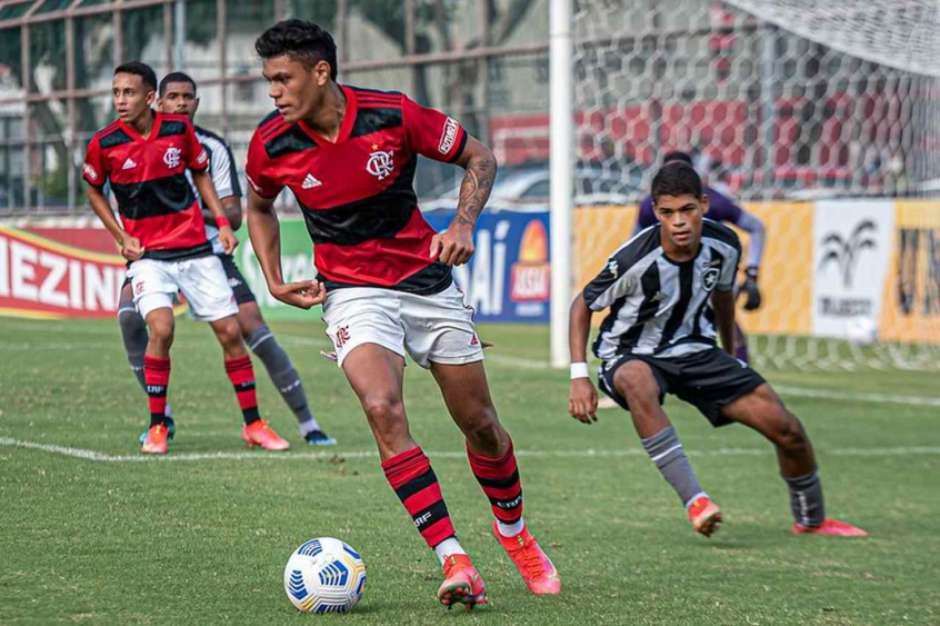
(432, 329)
(202, 280)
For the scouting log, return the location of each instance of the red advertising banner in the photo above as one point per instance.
(44, 278)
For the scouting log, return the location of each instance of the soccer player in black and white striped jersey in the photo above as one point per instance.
(670, 292)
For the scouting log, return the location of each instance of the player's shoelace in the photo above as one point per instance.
(531, 559)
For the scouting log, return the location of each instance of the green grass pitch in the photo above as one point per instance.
(103, 538)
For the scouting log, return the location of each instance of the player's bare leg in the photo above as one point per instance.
(763, 411)
(493, 462)
(135, 337)
(375, 375)
(256, 431)
(160, 326)
(635, 382)
(265, 346)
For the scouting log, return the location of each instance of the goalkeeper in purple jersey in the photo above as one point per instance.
(721, 208)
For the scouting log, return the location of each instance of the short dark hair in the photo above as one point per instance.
(676, 178)
(176, 77)
(300, 39)
(143, 70)
(678, 155)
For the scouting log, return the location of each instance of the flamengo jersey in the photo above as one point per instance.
(148, 178)
(657, 306)
(357, 194)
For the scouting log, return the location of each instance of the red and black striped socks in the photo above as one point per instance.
(156, 381)
(242, 375)
(413, 480)
(499, 477)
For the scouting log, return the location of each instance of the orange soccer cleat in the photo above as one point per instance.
(704, 515)
(534, 566)
(259, 433)
(830, 527)
(156, 440)
(462, 583)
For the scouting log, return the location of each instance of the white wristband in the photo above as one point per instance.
(579, 370)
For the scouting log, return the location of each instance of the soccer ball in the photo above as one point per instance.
(861, 330)
(324, 575)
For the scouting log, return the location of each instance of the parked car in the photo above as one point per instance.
(529, 186)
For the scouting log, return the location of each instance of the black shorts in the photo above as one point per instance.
(238, 283)
(709, 379)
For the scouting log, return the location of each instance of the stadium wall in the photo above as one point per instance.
(831, 268)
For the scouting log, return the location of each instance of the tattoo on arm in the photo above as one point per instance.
(475, 189)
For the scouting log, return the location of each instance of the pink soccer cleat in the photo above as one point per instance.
(830, 527)
(704, 515)
(534, 566)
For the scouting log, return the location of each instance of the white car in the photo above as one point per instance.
(527, 187)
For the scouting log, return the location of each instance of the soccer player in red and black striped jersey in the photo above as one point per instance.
(348, 155)
(145, 154)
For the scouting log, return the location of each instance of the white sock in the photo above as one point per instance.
(448, 547)
(308, 427)
(510, 530)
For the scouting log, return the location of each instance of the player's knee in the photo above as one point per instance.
(789, 433)
(161, 330)
(228, 332)
(485, 433)
(384, 412)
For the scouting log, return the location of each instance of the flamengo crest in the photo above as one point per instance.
(380, 164)
(172, 157)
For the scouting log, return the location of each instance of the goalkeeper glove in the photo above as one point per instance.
(749, 286)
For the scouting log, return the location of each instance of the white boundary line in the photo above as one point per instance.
(103, 457)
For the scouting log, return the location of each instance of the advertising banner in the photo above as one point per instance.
(296, 264)
(911, 310)
(43, 278)
(508, 279)
(851, 254)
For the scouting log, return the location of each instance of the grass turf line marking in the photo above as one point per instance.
(104, 457)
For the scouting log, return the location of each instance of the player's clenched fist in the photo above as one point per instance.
(228, 239)
(454, 246)
(131, 248)
(582, 400)
(302, 293)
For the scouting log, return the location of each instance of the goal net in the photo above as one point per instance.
(821, 119)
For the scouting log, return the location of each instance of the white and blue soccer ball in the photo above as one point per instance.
(324, 575)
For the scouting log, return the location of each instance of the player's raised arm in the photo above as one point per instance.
(582, 396)
(455, 245)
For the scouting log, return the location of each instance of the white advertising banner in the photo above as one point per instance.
(851, 254)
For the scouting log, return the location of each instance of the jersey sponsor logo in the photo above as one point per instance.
(310, 181)
(129, 164)
(172, 157)
(90, 171)
(710, 278)
(380, 164)
(448, 136)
